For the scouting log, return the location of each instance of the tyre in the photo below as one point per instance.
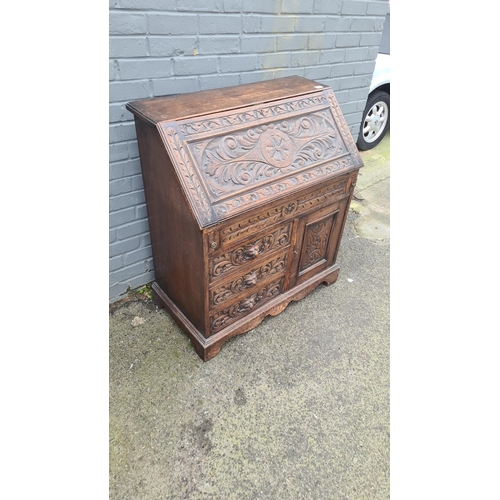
(376, 120)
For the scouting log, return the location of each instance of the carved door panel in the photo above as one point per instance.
(317, 242)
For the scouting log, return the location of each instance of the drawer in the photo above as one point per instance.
(245, 305)
(256, 248)
(249, 279)
(244, 227)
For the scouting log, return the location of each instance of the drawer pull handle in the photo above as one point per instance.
(246, 305)
(252, 252)
(250, 279)
(213, 244)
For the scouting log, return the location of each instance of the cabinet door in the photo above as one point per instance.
(317, 242)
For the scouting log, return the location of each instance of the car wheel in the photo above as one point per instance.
(375, 122)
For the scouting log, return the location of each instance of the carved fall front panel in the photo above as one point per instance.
(229, 161)
(254, 156)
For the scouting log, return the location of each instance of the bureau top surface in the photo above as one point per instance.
(181, 106)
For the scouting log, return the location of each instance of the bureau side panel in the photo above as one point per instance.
(175, 236)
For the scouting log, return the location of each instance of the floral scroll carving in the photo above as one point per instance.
(222, 293)
(234, 258)
(257, 155)
(230, 314)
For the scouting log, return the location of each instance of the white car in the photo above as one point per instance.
(376, 116)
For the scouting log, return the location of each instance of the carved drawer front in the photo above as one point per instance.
(256, 248)
(244, 227)
(248, 280)
(228, 315)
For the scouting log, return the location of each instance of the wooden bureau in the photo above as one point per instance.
(247, 191)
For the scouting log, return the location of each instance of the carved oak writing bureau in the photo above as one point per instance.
(247, 192)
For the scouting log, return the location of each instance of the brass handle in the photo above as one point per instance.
(213, 244)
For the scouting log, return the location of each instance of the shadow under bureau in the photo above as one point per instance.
(247, 192)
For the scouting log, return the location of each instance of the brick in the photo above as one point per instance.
(348, 107)
(284, 72)
(356, 54)
(367, 24)
(115, 263)
(133, 149)
(250, 24)
(267, 6)
(141, 212)
(136, 182)
(129, 46)
(365, 68)
(333, 83)
(219, 45)
(147, 4)
(118, 152)
(372, 53)
(257, 76)
(195, 65)
(278, 60)
(230, 64)
(132, 229)
(118, 113)
(201, 5)
(121, 247)
(142, 279)
(292, 42)
(138, 255)
(377, 8)
(358, 94)
(125, 23)
(354, 7)
(370, 39)
(172, 24)
(351, 82)
(297, 7)
(332, 56)
(278, 24)
(171, 46)
(137, 69)
(307, 58)
(219, 24)
(347, 40)
(121, 217)
(119, 186)
(208, 82)
(128, 273)
(317, 72)
(124, 169)
(321, 41)
(338, 24)
(126, 200)
(258, 43)
(116, 292)
(342, 70)
(233, 5)
(127, 91)
(327, 6)
(171, 86)
(341, 96)
(310, 24)
(122, 132)
(112, 236)
(353, 119)
(113, 70)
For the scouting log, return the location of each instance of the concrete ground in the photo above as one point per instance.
(297, 408)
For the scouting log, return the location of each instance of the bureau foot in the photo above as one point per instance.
(209, 347)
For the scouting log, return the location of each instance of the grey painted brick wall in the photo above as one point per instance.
(162, 47)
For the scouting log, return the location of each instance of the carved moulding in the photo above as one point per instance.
(224, 170)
